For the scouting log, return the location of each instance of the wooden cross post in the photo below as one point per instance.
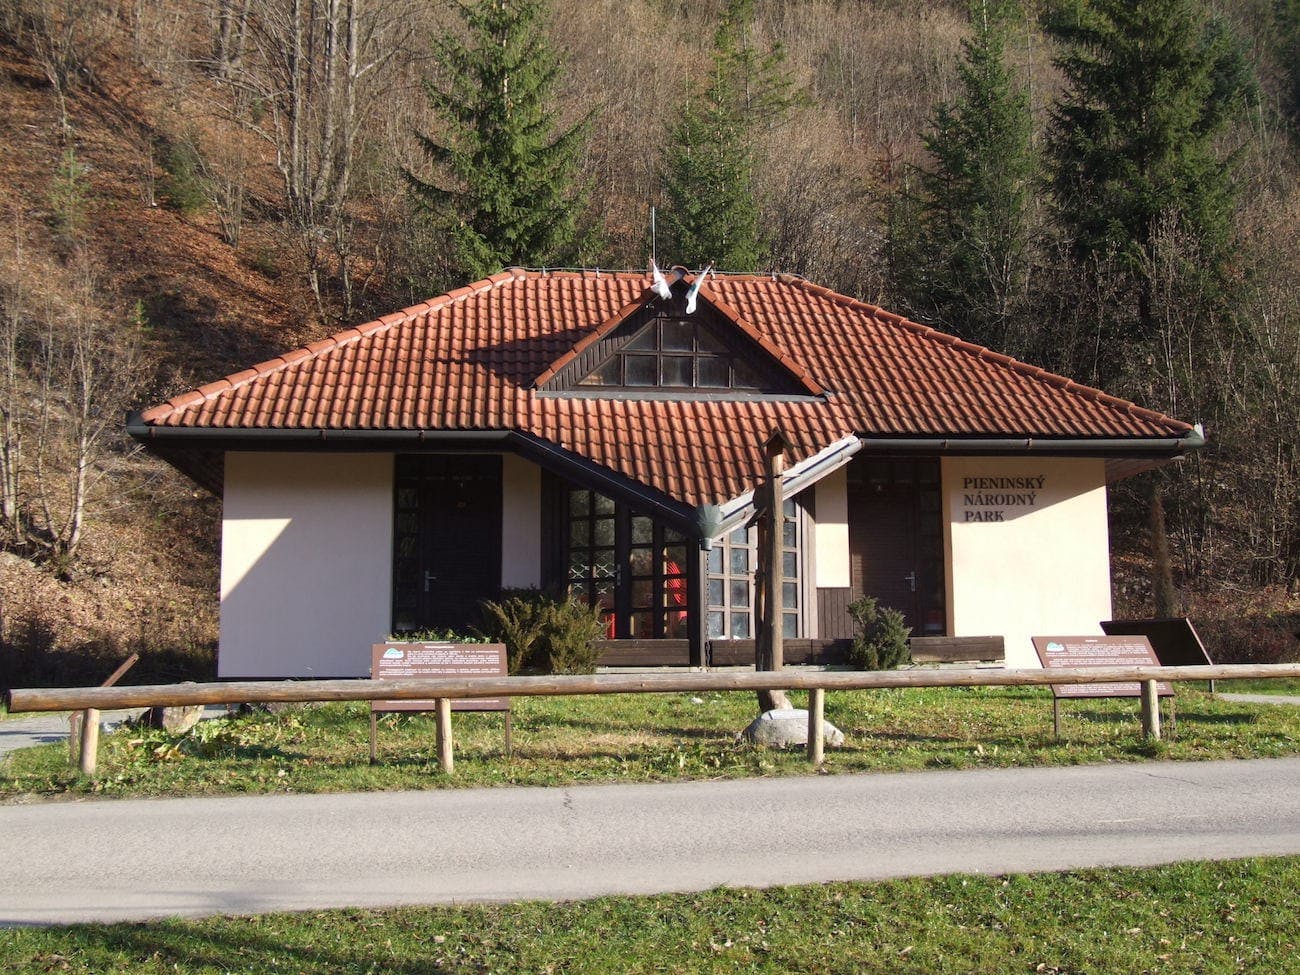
(769, 650)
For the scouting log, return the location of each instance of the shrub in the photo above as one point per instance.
(569, 637)
(184, 185)
(517, 620)
(881, 639)
(556, 636)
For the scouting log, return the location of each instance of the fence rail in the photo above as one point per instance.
(446, 689)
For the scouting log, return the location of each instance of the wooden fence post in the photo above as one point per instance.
(1150, 711)
(816, 726)
(445, 756)
(89, 741)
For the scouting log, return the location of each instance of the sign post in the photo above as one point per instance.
(390, 661)
(1055, 652)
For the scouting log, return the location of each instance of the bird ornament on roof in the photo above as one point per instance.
(695, 289)
(660, 285)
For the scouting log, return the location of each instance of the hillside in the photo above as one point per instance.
(142, 202)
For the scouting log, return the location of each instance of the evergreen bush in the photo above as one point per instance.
(881, 642)
(555, 636)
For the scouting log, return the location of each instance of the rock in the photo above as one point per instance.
(176, 720)
(787, 728)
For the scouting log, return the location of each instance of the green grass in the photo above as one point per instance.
(1236, 916)
(638, 738)
(1284, 686)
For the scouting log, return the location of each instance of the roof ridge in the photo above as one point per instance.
(1063, 383)
(311, 350)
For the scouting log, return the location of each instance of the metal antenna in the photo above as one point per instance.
(654, 251)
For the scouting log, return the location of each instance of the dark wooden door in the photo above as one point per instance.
(883, 549)
(448, 549)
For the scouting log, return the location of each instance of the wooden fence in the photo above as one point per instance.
(444, 690)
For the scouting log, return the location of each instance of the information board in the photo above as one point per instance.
(1174, 639)
(1055, 652)
(392, 661)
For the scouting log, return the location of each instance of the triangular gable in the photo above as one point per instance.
(654, 344)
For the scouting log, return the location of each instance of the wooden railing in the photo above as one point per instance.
(444, 690)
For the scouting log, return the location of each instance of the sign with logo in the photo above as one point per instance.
(1055, 652)
(393, 661)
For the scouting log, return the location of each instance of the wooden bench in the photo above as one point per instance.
(958, 649)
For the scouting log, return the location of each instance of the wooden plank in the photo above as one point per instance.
(644, 653)
(957, 649)
(234, 692)
(833, 619)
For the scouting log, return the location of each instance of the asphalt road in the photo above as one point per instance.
(135, 859)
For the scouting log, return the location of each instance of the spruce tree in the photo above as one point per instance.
(1150, 87)
(708, 176)
(960, 251)
(504, 188)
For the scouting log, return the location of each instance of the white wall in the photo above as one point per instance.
(521, 523)
(306, 563)
(1026, 557)
(832, 536)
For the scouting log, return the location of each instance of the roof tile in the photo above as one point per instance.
(469, 360)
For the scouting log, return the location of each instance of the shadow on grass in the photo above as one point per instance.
(190, 946)
(1200, 717)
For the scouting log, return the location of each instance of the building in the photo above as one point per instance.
(579, 432)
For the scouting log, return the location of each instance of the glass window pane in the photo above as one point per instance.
(604, 505)
(643, 531)
(579, 533)
(674, 592)
(790, 595)
(741, 536)
(646, 339)
(740, 626)
(579, 503)
(790, 626)
(578, 590)
(716, 560)
(713, 373)
(787, 507)
(676, 371)
(675, 626)
(642, 370)
(678, 336)
(739, 592)
(673, 537)
(604, 534)
(744, 377)
(675, 560)
(789, 535)
(717, 623)
(642, 562)
(643, 594)
(639, 626)
(739, 561)
(604, 567)
(610, 374)
(790, 565)
(716, 592)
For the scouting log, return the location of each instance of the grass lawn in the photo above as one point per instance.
(648, 737)
(1284, 686)
(1237, 916)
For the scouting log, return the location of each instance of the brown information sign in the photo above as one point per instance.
(1098, 651)
(391, 661)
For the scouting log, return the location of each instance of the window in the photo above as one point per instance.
(730, 581)
(630, 565)
(676, 353)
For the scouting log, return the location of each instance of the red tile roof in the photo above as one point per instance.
(469, 360)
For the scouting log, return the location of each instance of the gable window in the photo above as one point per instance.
(676, 353)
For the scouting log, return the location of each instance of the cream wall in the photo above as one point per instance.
(832, 534)
(521, 523)
(306, 563)
(1026, 560)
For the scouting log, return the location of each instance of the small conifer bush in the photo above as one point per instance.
(881, 642)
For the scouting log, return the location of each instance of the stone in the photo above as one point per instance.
(787, 728)
(177, 720)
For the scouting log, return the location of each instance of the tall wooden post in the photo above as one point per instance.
(769, 649)
(89, 741)
(697, 615)
(816, 725)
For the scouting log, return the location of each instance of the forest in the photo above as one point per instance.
(1106, 189)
